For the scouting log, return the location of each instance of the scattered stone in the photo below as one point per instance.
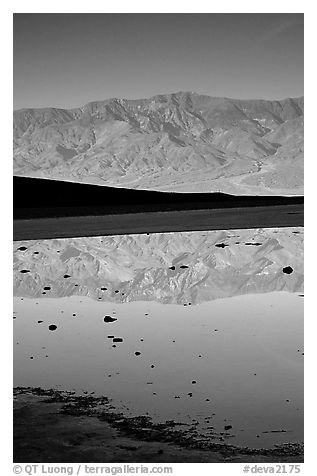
(66, 276)
(43, 292)
(194, 381)
(117, 339)
(287, 270)
(114, 345)
(36, 252)
(190, 394)
(22, 248)
(137, 353)
(47, 288)
(172, 268)
(103, 289)
(109, 319)
(31, 358)
(40, 322)
(183, 266)
(227, 427)
(221, 245)
(52, 327)
(25, 271)
(152, 366)
(74, 314)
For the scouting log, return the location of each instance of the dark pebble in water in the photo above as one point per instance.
(25, 271)
(189, 303)
(154, 393)
(66, 276)
(117, 339)
(14, 317)
(43, 292)
(40, 322)
(227, 427)
(110, 337)
(146, 314)
(76, 284)
(194, 381)
(137, 353)
(114, 345)
(103, 289)
(301, 295)
(221, 245)
(303, 353)
(172, 268)
(22, 248)
(199, 356)
(207, 399)
(190, 394)
(47, 288)
(176, 396)
(74, 315)
(152, 366)
(216, 330)
(99, 298)
(258, 436)
(36, 252)
(109, 319)
(116, 291)
(141, 340)
(31, 358)
(287, 400)
(46, 356)
(52, 327)
(287, 270)
(183, 266)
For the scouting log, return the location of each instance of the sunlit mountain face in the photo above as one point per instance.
(182, 142)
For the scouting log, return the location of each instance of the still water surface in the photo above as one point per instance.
(235, 361)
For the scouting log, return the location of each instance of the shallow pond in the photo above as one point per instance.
(231, 366)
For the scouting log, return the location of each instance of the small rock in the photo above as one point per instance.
(52, 327)
(109, 319)
(287, 270)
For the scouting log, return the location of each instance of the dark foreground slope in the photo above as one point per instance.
(38, 198)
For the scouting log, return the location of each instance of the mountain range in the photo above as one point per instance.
(181, 142)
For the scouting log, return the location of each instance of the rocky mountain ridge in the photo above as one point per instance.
(175, 142)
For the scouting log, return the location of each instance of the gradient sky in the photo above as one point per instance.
(67, 60)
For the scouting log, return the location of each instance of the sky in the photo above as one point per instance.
(67, 60)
